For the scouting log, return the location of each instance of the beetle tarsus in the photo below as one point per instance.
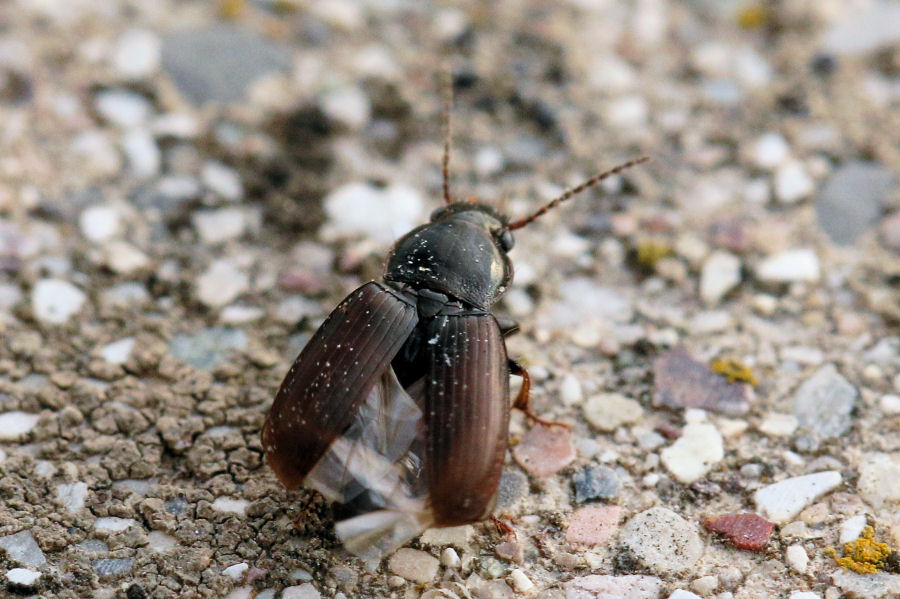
(505, 527)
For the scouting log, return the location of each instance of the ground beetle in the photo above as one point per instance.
(398, 406)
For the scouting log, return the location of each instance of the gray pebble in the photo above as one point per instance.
(22, 549)
(851, 200)
(219, 63)
(661, 541)
(112, 566)
(824, 402)
(208, 348)
(513, 486)
(596, 482)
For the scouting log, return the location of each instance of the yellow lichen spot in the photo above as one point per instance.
(865, 555)
(734, 371)
(286, 7)
(650, 252)
(753, 16)
(231, 9)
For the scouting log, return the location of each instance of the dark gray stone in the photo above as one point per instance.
(513, 486)
(219, 63)
(851, 200)
(107, 568)
(596, 482)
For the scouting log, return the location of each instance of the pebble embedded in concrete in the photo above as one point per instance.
(662, 541)
(414, 565)
(72, 495)
(301, 591)
(16, 423)
(696, 451)
(230, 505)
(824, 403)
(22, 578)
(783, 500)
(55, 301)
(608, 411)
(593, 525)
(792, 183)
(720, 274)
(790, 266)
(797, 558)
(545, 450)
(221, 283)
(596, 481)
(22, 549)
(602, 586)
(879, 479)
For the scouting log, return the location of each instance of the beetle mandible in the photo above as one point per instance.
(399, 404)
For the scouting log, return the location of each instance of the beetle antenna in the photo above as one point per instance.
(518, 224)
(448, 105)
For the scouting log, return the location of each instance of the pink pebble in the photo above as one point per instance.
(545, 450)
(593, 525)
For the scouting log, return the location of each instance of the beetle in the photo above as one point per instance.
(398, 406)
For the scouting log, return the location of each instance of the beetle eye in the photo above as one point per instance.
(436, 214)
(507, 241)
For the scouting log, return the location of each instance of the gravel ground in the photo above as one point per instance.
(187, 188)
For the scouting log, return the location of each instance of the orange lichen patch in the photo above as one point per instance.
(734, 371)
(650, 252)
(865, 555)
(753, 16)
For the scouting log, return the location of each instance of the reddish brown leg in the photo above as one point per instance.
(523, 399)
(505, 527)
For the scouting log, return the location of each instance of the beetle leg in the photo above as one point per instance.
(508, 326)
(505, 527)
(523, 399)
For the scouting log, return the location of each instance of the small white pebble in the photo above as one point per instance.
(449, 558)
(682, 594)
(797, 558)
(804, 595)
(778, 425)
(705, 585)
(161, 542)
(23, 577)
(136, 54)
(72, 495)
(520, 581)
(765, 304)
(118, 352)
(113, 524)
(890, 404)
(570, 390)
(100, 223)
(55, 301)
(15, 423)
(770, 150)
(222, 180)
(303, 591)
(230, 505)
(236, 572)
(792, 183)
(851, 528)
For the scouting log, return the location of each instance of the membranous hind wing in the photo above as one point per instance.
(466, 415)
(332, 377)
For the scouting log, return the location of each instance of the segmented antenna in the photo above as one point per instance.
(518, 224)
(448, 106)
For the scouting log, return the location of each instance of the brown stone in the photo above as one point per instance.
(744, 531)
